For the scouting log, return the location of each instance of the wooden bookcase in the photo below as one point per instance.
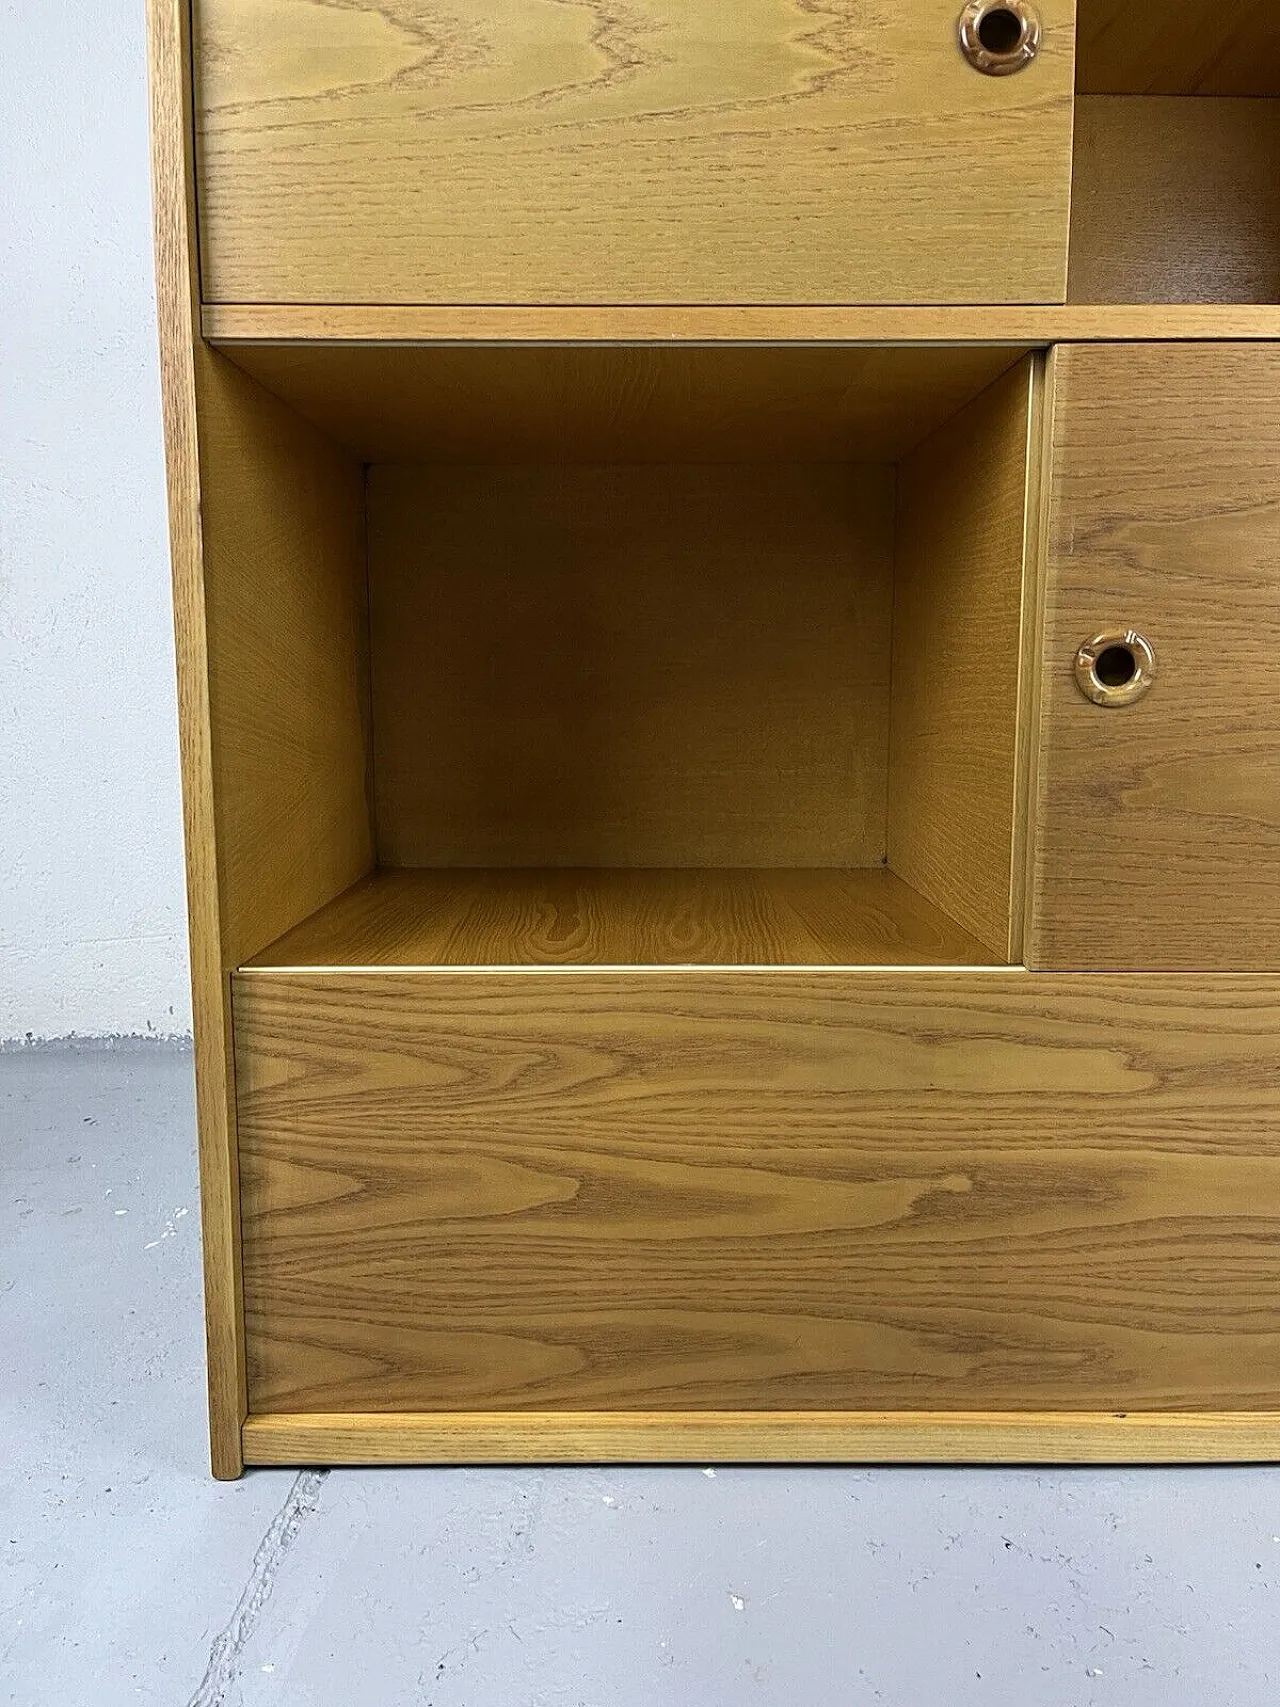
(693, 955)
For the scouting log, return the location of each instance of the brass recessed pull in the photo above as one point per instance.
(1115, 668)
(999, 39)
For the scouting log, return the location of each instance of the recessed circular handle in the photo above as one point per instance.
(999, 39)
(1115, 668)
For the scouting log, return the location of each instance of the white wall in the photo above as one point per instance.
(92, 926)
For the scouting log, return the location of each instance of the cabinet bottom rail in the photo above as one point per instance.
(646, 1437)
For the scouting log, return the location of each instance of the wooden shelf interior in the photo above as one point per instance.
(557, 917)
(1176, 180)
(581, 656)
(405, 402)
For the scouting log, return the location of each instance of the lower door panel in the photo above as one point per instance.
(672, 1194)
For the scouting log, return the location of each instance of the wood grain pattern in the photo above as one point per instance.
(1178, 47)
(285, 601)
(760, 1191)
(1176, 200)
(955, 782)
(608, 403)
(675, 666)
(755, 1437)
(661, 151)
(622, 918)
(167, 49)
(238, 326)
(1159, 823)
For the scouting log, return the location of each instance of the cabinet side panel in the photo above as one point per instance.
(954, 777)
(760, 1191)
(286, 608)
(219, 1182)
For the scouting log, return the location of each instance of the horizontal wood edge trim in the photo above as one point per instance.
(642, 1437)
(232, 323)
(262, 968)
(1139, 982)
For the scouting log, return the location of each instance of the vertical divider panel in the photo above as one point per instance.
(956, 795)
(1031, 671)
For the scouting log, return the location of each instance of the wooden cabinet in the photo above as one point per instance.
(668, 151)
(728, 733)
(1158, 820)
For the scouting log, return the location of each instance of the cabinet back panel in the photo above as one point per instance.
(648, 666)
(662, 151)
(1178, 47)
(1176, 199)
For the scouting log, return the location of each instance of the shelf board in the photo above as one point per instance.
(271, 323)
(551, 918)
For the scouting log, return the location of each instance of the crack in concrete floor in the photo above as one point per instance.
(229, 1645)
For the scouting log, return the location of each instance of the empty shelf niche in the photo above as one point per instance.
(619, 656)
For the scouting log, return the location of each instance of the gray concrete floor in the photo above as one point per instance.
(131, 1577)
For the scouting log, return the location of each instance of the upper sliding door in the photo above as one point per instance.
(652, 151)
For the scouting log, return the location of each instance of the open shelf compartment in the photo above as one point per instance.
(1175, 192)
(620, 657)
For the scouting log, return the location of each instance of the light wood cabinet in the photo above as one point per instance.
(726, 640)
